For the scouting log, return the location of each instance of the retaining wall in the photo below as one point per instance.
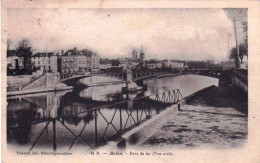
(240, 79)
(14, 82)
(46, 81)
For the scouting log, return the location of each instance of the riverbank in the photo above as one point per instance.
(39, 90)
(215, 118)
(230, 97)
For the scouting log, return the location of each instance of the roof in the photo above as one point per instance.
(177, 61)
(50, 54)
(152, 61)
(122, 60)
(105, 61)
(73, 52)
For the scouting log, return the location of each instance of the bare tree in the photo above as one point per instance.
(24, 50)
(242, 51)
(24, 44)
(233, 56)
(245, 29)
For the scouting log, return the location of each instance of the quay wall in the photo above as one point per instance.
(16, 82)
(46, 81)
(240, 79)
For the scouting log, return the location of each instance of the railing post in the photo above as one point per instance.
(96, 136)
(137, 115)
(121, 123)
(179, 107)
(54, 135)
(149, 113)
(174, 95)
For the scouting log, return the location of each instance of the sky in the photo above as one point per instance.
(185, 34)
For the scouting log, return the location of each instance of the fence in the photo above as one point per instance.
(99, 124)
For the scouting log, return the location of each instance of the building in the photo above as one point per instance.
(72, 61)
(123, 62)
(105, 64)
(176, 64)
(14, 62)
(19, 60)
(165, 63)
(47, 62)
(115, 63)
(94, 61)
(152, 64)
(79, 61)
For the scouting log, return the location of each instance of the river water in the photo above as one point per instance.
(51, 121)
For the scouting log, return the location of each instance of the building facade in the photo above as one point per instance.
(104, 64)
(73, 63)
(79, 61)
(125, 61)
(15, 62)
(47, 62)
(176, 65)
(95, 65)
(153, 64)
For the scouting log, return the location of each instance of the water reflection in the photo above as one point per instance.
(187, 84)
(52, 120)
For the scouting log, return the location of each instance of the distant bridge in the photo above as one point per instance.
(71, 80)
(224, 76)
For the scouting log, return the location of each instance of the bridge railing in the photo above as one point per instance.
(102, 123)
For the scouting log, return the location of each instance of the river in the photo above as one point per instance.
(45, 121)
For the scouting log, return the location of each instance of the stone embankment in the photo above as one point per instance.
(19, 85)
(16, 82)
(214, 118)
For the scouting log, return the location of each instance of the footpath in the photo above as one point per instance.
(215, 118)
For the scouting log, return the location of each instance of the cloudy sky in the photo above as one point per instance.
(193, 34)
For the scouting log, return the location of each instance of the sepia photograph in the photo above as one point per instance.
(125, 81)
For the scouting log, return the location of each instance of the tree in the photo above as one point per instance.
(245, 29)
(25, 52)
(233, 56)
(24, 44)
(242, 51)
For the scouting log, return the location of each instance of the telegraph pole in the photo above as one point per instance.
(237, 47)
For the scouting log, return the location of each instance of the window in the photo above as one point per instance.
(39, 62)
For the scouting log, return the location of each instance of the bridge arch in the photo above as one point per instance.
(71, 80)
